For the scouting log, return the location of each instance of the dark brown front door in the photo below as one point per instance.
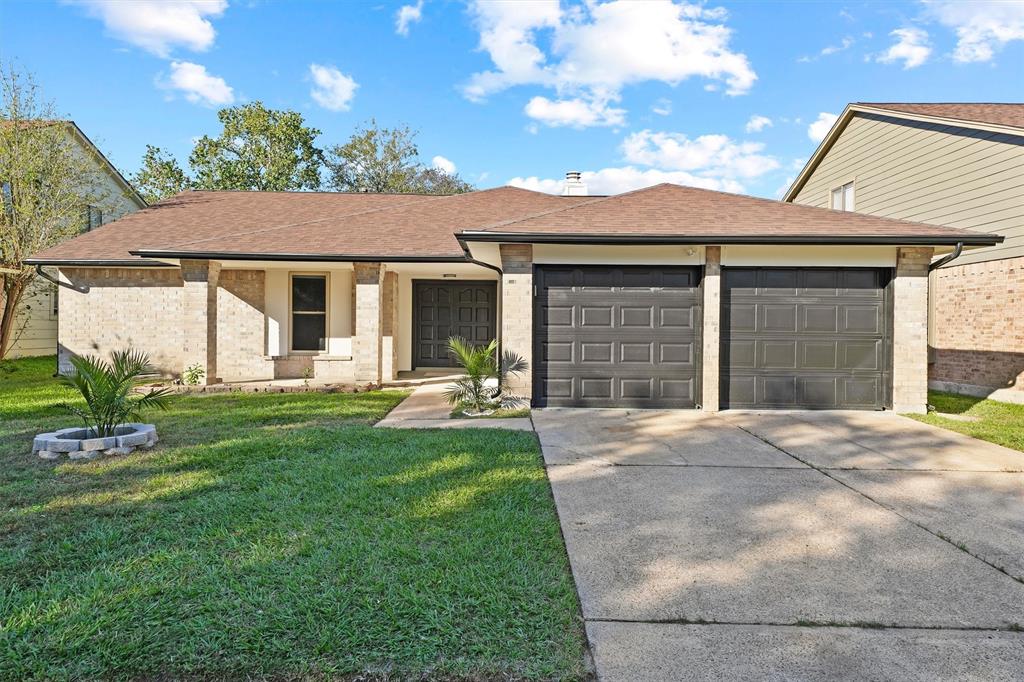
(443, 309)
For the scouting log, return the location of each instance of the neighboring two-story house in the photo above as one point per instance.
(958, 165)
(36, 327)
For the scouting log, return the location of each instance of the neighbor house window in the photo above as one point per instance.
(309, 312)
(842, 197)
(92, 217)
(54, 302)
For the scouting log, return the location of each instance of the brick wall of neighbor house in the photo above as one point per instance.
(978, 343)
(241, 326)
(910, 330)
(136, 307)
(517, 310)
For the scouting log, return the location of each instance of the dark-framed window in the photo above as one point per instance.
(92, 217)
(309, 312)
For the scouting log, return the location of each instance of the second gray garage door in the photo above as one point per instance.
(616, 336)
(806, 338)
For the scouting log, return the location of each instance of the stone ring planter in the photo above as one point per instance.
(82, 444)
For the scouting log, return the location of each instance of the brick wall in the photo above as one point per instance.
(978, 340)
(369, 313)
(711, 287)
(125, 307)
(517, 310)
(910, 330)
(143, 308)
(242, 327)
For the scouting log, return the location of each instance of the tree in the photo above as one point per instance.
(160, 176)
(437, 181)
(47, 181)
(375, 160)
(258, 149)
(386, 160)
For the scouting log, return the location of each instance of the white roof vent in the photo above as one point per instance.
(574, 185)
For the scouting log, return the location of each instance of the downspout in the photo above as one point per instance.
(52, 280)
(949, 257)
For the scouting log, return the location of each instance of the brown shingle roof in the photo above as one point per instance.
(1004, 114)
(303, 223)
(394, 226)
(675, 211)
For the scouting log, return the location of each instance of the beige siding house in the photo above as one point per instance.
(36, 327)
(960, 165)
(665, 297)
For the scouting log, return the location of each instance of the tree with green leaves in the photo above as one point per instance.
(379, 159)
(258, 149)
(160, 176)
(47, 179)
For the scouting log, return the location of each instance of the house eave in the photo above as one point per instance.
(825, 240)
(299, 257)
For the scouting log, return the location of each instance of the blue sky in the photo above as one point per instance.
(723, 95)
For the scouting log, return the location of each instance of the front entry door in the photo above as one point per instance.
(442, 309)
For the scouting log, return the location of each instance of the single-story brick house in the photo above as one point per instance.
(666, 296)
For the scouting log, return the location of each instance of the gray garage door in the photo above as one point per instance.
(616, 336)
(806, 338)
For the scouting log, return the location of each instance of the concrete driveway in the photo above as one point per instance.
(789, 545)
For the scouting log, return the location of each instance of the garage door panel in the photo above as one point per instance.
(805, 337)
(623, 336)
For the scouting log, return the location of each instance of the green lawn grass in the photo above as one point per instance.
(279, 536)
(1001, 423)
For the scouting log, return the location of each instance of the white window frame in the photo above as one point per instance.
(842, 188)
(327, 313)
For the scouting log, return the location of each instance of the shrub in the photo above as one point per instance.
(108, 390)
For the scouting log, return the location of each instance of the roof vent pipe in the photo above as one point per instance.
(574, 185)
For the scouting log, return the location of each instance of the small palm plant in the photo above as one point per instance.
(108, 390)
(483, 388)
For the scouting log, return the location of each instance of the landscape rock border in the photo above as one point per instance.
(81, 444)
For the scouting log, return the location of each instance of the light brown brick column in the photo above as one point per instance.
(710, 362)
(517, 311)
(366, 344)
(199, 316)
(389, 327)
(910, 330)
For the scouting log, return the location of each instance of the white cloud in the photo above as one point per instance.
(158, 26)
(591, 52)
(845, 44)
(332, 89)
(911, 47)
(707, 155)
(663, 107)
(577, 112)
(784, 187)
(819, 129)
(757, 123)
(441, 163)
(198, 86)
(982, 26)
(624, 179)
(408, 14)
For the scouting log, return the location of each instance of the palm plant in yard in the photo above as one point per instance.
(483, 389)
(108, 388)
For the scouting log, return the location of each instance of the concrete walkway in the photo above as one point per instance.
(789, 545)
(426, 408)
